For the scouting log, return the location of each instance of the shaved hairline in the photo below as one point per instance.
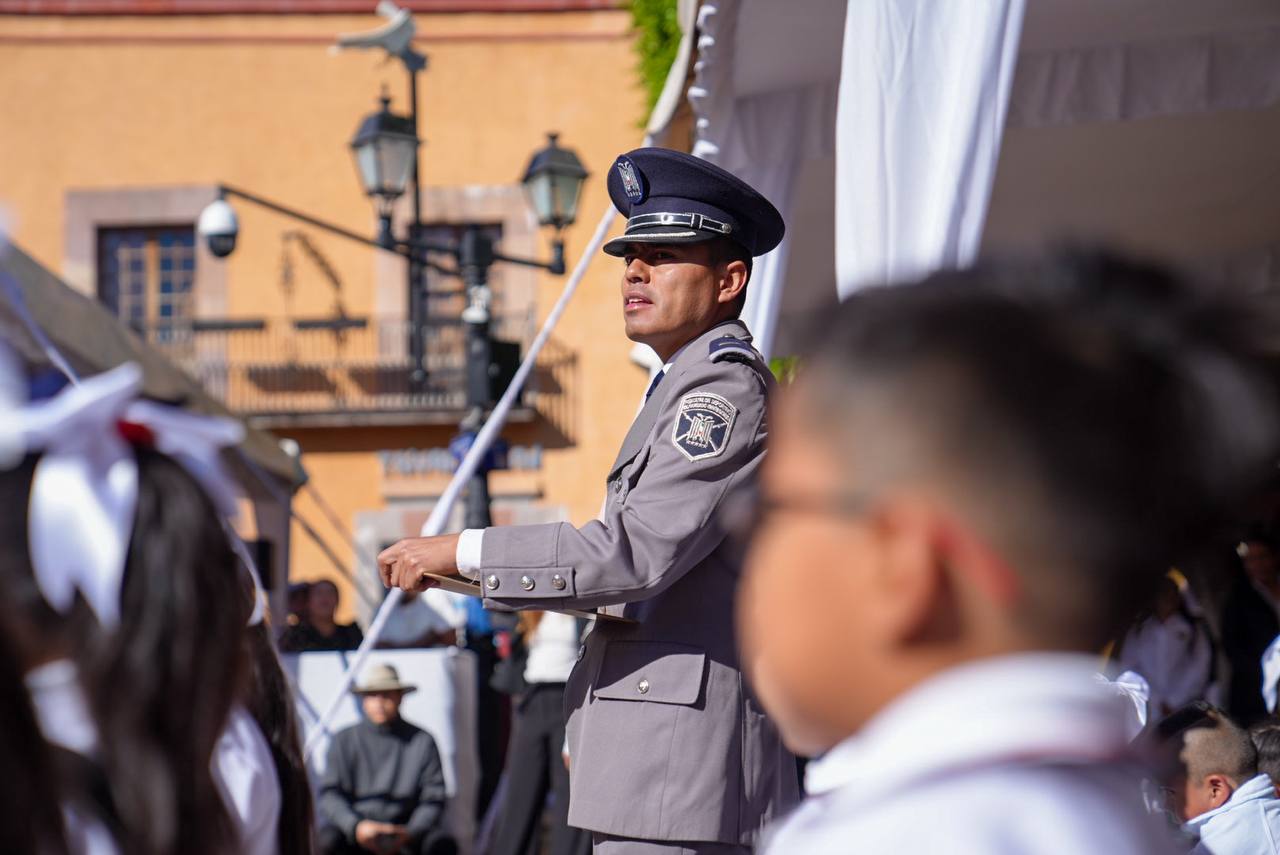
(1222, 748)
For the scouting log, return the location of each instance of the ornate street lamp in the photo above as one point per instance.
(553, 181)
(386, 149)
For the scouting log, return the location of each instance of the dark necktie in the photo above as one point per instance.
(657, 378)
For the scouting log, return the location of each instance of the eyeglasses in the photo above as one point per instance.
(743, 512)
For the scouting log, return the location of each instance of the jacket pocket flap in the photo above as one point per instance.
(656, 672)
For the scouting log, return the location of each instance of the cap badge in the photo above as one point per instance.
(632, 180)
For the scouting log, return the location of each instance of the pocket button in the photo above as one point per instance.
(643, 686)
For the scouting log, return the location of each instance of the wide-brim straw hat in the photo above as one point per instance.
(381, 678)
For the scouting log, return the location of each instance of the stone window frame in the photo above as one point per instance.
(89, 209)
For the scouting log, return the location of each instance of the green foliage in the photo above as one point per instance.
(657, 28)
(784, 368)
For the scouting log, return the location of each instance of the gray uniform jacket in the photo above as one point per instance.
(667, 741)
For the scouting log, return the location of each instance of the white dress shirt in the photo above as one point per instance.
(553, 649)
(1018, 754)
(1248, 824)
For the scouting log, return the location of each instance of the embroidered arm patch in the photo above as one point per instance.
(702, 425)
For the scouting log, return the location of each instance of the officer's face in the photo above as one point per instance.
(800, 610)
(670, 294)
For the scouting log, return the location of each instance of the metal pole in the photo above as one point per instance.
(417, 299)
(475, 257)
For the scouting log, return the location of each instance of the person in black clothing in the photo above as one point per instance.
(383, 789)
(1250, 622)
(321, 631)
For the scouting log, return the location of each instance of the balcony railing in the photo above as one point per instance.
(333, 371)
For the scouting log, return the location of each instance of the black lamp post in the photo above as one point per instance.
(553, 182)
(385, 148)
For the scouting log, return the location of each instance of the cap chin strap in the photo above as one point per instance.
(698, 222)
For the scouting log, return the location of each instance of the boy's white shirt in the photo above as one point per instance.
(1020, 754)
(1248, 824)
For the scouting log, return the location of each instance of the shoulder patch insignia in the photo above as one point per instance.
(728, 347)
(702, 426)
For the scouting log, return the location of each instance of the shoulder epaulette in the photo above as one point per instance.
(733, 349)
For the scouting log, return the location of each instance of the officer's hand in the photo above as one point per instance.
(403, 565)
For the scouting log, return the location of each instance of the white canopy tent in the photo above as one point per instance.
(898, 136)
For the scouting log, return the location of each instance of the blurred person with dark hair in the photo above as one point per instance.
(1214, 786)
(383, 789)
(1266, 739)
(1250, 621)
(994, 467)
(129, 562)
(36, 778)
(44, 646)
(321, 630)
(163, 686)
(1172, 649)
(270, 701)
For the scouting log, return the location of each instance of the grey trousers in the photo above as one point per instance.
(604, 844)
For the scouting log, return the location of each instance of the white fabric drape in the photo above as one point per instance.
(923, 94)
(1236, 69)
(763, 139)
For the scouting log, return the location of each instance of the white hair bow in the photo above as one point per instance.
(84, 493)
(1133, 687)
(1271, 673)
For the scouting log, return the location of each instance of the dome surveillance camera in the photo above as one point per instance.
(219, 227)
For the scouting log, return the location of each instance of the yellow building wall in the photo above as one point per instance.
(261, 103)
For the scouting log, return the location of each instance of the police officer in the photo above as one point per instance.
(670, 750)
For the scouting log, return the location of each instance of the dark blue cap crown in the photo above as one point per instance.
(672, 197)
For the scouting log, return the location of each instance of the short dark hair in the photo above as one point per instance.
(1208, 742)
(329, 583)
(1266, 739)
(1096, 415)
(725, 251)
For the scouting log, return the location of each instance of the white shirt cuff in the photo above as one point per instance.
(470, 544)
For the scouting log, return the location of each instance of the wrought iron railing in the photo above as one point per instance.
(344, 367)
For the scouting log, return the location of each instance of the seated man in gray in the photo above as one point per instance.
(383, 788)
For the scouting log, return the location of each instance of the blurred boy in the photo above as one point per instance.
(1215, 785)
(991, 468)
